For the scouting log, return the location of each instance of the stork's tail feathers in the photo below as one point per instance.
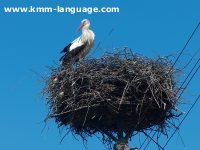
(66, 58)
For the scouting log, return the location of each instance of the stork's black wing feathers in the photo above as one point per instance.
(70, 55)
(66, 49)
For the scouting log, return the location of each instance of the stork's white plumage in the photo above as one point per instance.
(80, 46)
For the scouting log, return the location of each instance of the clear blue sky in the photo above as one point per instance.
(30, 42)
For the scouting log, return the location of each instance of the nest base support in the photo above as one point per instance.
(121, 144)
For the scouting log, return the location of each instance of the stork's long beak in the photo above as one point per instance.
(80, 27)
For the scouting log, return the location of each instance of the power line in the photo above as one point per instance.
(191, 59)
(181, 52)
(186, 44)
(188, 75)
(179, 95)
(150, 140)
(191, 106)
(144, 141)
(189, 109)
(189, 81)
(101, 42)
(182, 120)
(178, 98)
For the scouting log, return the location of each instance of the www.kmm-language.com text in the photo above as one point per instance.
(59, 9)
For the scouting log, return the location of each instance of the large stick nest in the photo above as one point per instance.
(120, 90)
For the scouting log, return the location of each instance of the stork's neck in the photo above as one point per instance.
(85, 29)
(86, 34)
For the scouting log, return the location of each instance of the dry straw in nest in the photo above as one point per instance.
(118, 93)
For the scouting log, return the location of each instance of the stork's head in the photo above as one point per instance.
(85, 24)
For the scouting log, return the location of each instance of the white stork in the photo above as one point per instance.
(80, 46)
